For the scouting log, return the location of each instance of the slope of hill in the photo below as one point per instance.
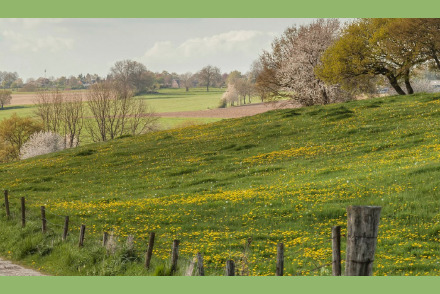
(282, 176)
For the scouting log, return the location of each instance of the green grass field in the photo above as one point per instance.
(171, 100)
(282, 176)
(167, 100)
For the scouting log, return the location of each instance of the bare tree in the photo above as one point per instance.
(209, 75)
(186, 80)
(244, 88)
(73, 117)
(5, 98)
(115, 114)
(62, 114)
(50, 109)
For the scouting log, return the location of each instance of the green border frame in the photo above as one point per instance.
(223, 9)
(220, 285)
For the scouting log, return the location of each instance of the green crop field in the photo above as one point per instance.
(282, 176)
(167, 100)
(171, 100)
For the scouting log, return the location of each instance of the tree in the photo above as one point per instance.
(115, 115)
(5, 98)
(73, 119)
(49, 109)
(132, 76)
(229, 96)
(40, 143)
(186, 80)
(426, 31)
(61, 113)
(233, 76)
(209, 75)
(14, 131)
(288, 70)
(7, 78)
(372, 47)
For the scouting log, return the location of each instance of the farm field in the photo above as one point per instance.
(281, 176)
(166, 101)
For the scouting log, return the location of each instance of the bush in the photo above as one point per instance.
(42, 143)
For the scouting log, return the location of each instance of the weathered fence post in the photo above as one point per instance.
(149, 250)
(43, 219)
(362, 229)
(336, 251)
(130, 243)
(200, 269)
(104, 239)
(66, 228)
(8, 213)
(81, 235)
(190, 269)
(174, 256)
(280, 259)
(23, 213)
(230, 268)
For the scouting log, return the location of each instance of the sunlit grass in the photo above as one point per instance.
(283, 176)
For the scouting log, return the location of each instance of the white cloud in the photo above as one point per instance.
(232, 43)
(29, 23)
(20, 42)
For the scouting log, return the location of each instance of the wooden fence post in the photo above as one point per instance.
(280, 259)
(81, 235)
(174, 256)
(43, 219)
(8, 213)
(130, 243)
(104, 239)
(149, 250)
(66, 228)
(23, 213)
(336, 251)
(362, 229)
(230, 268)
(200, 269)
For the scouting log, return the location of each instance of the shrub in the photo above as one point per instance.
(42, 143)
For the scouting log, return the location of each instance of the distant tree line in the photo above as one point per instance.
(133, 74)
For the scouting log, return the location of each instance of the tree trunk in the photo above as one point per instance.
(409, 89)
(207, 88)
(186, 89)
(393, 81)
(325, 98)
(437, 61)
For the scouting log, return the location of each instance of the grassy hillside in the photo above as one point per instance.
(282, 176)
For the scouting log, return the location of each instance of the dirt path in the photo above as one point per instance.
(9, 269)
(230, 112)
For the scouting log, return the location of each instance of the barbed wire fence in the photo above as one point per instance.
(112, 241)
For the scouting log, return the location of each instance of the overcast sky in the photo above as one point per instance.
(67, 47)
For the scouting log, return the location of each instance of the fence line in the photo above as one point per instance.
(357, 228)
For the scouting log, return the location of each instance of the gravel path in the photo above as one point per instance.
(9, 269)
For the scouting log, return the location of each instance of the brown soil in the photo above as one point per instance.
(230, 112)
